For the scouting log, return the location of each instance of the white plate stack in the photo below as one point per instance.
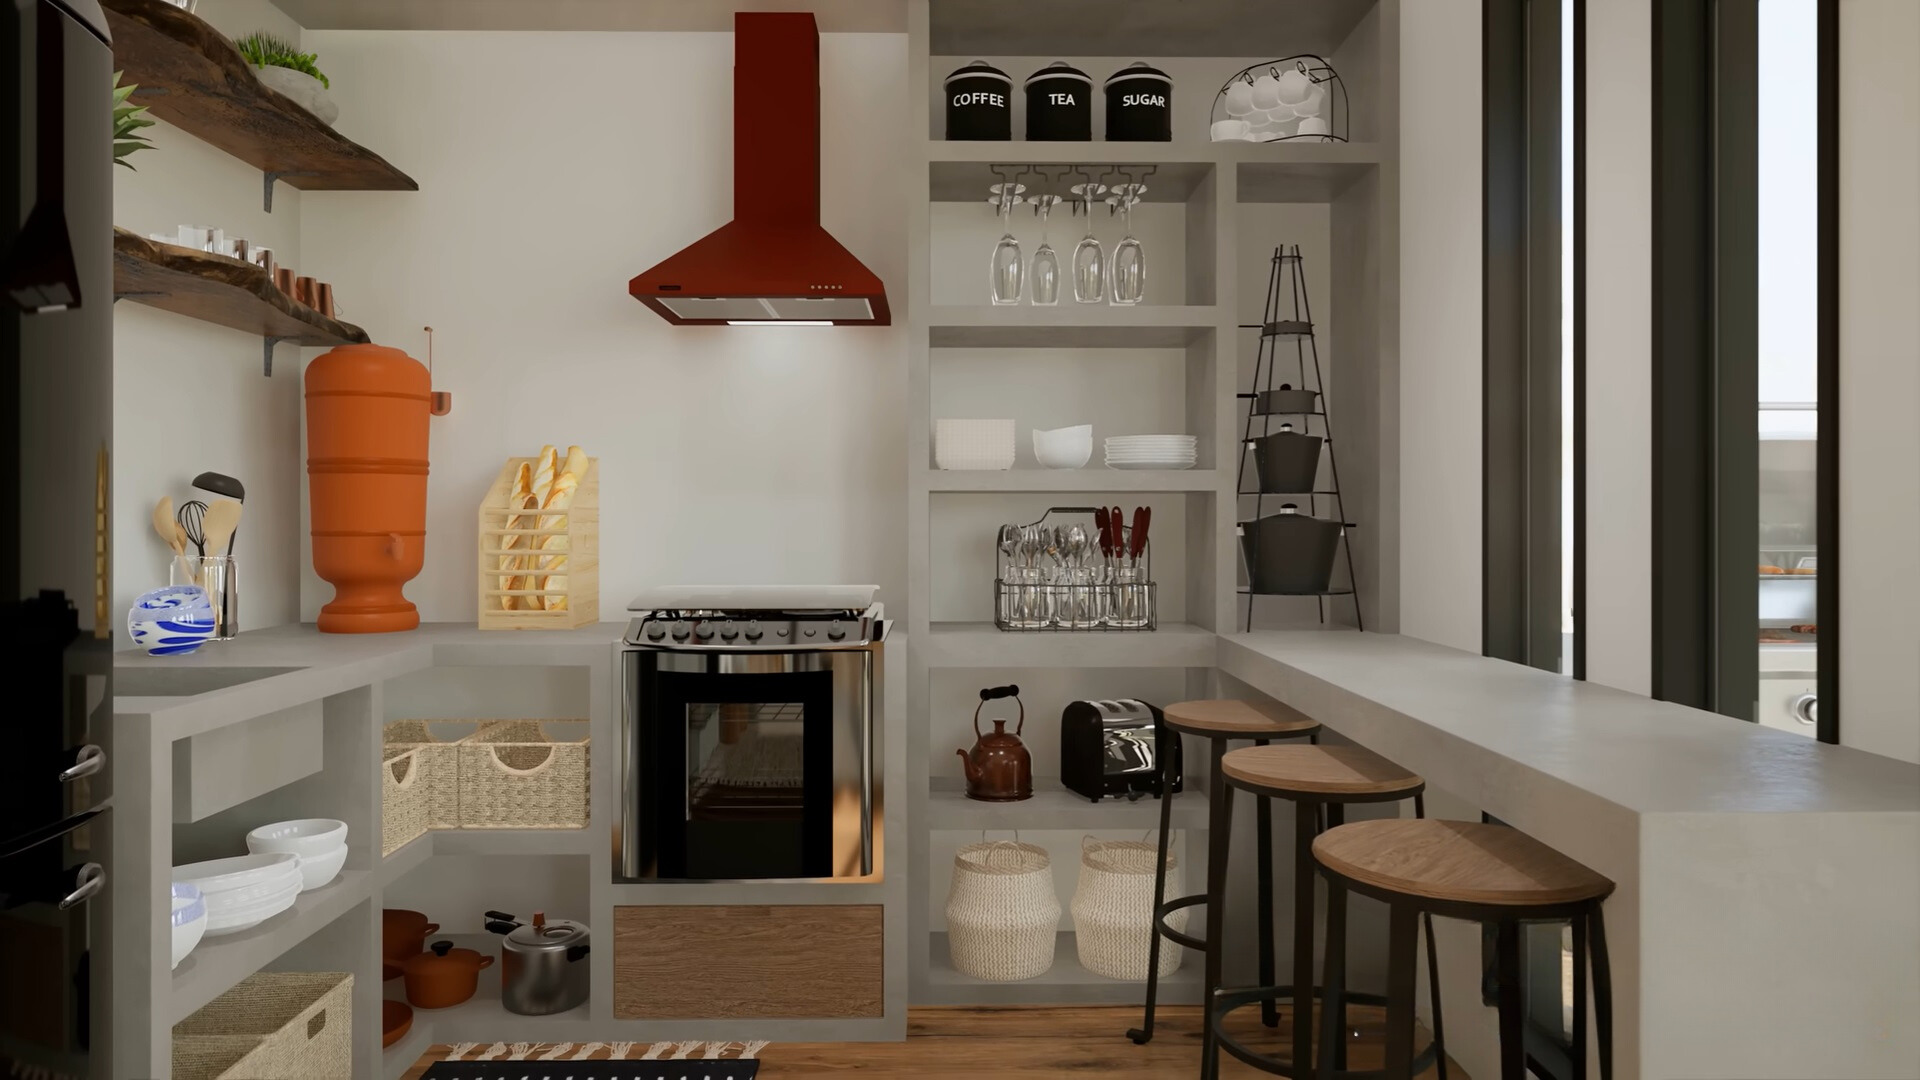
(243, 892)
(1150, 452)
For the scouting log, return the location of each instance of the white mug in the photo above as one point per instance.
(1316, 100)
(1239, 97)
(1293, 86)
(1229, 130)
(1313, 125)
(1266, 92)
(192, 236)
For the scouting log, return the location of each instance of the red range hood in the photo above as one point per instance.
(772, 264)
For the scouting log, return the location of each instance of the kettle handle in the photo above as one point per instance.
(993, 692)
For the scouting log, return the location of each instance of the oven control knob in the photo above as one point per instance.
(656, 631)
(753, 630)
(835, 631)
(703, 630)
(681, 630)
(728, 631)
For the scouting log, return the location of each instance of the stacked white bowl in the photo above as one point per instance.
(1063, 448)
(321, 844)
(242, 892)
(189, 920)
(1151, 452)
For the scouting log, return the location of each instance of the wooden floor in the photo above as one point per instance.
(1043, 1041)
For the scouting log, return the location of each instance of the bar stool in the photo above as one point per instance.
(1318, 780)
(1218, 722)
(1483, 873)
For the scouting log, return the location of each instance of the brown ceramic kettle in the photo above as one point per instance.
(999, 768)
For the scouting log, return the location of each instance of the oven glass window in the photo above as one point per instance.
(746, 761)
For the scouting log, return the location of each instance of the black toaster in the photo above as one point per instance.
(1112, 748)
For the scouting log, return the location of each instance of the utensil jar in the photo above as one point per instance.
(215, 574)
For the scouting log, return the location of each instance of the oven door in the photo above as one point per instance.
(735, 765)
(53, 911)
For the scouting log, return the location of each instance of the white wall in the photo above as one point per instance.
(552, 168)
(188, 395)
(1879, 376)
(1440, 323)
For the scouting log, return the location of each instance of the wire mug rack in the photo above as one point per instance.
(1320, 116)
(1041, 589)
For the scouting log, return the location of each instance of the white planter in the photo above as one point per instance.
(305, 90)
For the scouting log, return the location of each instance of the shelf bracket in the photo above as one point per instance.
(266, 186)
(266, 354)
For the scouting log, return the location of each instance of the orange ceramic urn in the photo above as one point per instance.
(367, 410)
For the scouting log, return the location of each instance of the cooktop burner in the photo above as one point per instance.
(734, 629)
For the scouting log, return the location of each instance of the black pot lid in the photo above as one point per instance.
(1139, 69)
(1060, 69)
(981, 68)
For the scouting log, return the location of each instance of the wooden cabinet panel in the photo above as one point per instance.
(787, 961)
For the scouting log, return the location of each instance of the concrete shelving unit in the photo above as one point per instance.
(1192, 326)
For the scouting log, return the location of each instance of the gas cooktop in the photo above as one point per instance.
(765, 618)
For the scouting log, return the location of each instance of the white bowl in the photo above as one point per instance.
(239, 872)
(318, 870)
(307, 836)
(189, 920)
(1064, 448)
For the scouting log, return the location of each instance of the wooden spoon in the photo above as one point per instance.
(223, 517)
(167, 527)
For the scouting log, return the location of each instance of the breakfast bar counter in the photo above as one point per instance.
(1760, 874)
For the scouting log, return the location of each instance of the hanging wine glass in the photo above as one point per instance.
(1008, 271)
(1089, 261)
(1045, 270)
(1129, 270)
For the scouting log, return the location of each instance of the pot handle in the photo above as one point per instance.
(993, 692)
(578, 952)
(433, 928)
(485, 962)
(501, 926)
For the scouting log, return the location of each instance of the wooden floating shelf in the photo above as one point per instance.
(192, 77)
(219, 290)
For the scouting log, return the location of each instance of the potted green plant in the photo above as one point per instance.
(286, 69)
(127, 120)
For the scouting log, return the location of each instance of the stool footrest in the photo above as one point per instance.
(1179, 937)
(1226, 1001)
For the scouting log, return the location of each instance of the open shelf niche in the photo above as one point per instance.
(1201, 195)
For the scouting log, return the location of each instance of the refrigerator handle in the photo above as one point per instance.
(41, 275)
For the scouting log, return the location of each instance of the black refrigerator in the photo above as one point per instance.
(56, 345)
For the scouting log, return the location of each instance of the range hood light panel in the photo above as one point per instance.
(779, 322)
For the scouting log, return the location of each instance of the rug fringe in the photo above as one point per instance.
(460, 1050)
(588, 1051)
(558, 1049)
(752, 1049)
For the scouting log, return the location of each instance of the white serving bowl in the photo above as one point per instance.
(1064, 448)
(247, 916)
(305, 837)
(318, 870)
(189, 920)
(242, 872)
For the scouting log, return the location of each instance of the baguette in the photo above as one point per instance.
(519, 498)
(559, 498)
(543, 472)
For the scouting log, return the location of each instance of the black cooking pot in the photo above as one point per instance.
(1139, 104)
(1059, 104)
(1287, 400)
(979, 103)
(1288, 461)
(1289, 553)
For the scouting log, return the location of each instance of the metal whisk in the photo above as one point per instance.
(192, 517)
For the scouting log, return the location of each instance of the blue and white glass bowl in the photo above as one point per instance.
(171, 621)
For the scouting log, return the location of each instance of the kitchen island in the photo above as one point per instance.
(1767, 918)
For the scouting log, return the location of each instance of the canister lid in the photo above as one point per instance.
(1139, 69)
(553, 936)
(1059, 69)
(981, 69)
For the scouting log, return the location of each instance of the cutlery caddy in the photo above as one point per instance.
(539, 569)
(1086, 575)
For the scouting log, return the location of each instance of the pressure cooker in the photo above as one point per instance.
(544, 967)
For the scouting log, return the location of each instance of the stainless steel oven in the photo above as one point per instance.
(750, 745)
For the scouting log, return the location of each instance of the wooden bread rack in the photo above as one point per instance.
(567, 592)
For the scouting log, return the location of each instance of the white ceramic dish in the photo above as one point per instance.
(307, 836)
(318, 870)
(1063, 448)
(250, 916)
(1132, 466)
(224, 900)
(241, 871)
(189, 920)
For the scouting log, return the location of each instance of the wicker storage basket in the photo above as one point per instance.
(403, 799)
(295, 1025)
(1002, 915)
(1113, 909)
(438, 763)
(524, 774)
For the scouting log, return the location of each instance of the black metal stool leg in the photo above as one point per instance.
(1263, 830)
(1433, 971)
(1336, 816)
(1305, 816)
(1602, 990)
(1579, 1032)
(1144, 1032)
(1513, 1006)
(1220, 821)
(1403, 933)
(1333, 1006)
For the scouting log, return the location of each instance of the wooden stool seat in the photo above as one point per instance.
(1236, 719)
(1318, 773)
(1457, 861)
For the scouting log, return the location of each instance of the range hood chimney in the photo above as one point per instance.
(772, 264)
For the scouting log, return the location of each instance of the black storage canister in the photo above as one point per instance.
(1289, 553)
(979, 103)
(1060, 104)
(1139, 104)
(1288, 462)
